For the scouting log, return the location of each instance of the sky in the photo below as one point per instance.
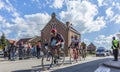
(97, 20)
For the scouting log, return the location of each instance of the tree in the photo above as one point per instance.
(3, 41)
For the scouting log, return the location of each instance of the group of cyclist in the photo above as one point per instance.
(57, 42)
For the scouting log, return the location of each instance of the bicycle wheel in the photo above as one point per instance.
(47, 61)
(61, 58)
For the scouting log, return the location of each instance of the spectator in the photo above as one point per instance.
(13, 49)
(38, 47)
(28, 50)
(33, 51)
(5, 50)
(9, 52)
(20, 51)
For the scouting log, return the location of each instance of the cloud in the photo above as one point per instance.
(109, 12)
(35, 0)
(112, 9)
(117, 5)
(57, 4)
(105, 2)
(38, 3)
(87, 41)
(4, 23)
(7, 32)
(116, 19)
(30, 25)
(4, 26)
(6, 5)
(20, 27)
(47, 1)
(1, 4)
(104, 41)
(81, 14)
(38, 18)
(1, 18)
(102, 2)
(96, 25)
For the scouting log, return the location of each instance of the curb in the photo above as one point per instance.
(111, 66)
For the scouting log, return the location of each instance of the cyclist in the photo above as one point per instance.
(75, 46)
(56, 43)
(83, 50)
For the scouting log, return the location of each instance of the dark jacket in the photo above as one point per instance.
(13, 48)
(58, 38)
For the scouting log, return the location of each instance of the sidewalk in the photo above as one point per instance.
(112, 64)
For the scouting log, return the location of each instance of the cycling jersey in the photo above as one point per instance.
(55, 40)
(74, 43)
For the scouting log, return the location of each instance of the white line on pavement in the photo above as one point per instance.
(102, 69)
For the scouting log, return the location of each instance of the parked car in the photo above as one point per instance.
(101, 51)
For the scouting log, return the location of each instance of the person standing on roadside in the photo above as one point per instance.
(28, 50)
(115, 46)
(13, 50)
(5, 50)
(38, 48)
(20, 51)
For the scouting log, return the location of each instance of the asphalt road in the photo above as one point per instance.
(93, 66)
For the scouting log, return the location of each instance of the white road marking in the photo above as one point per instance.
(102, 69)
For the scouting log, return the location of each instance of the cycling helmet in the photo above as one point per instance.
(53, 31)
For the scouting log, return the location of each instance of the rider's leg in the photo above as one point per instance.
(74, 53)
(55, 55)
(58, 52)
